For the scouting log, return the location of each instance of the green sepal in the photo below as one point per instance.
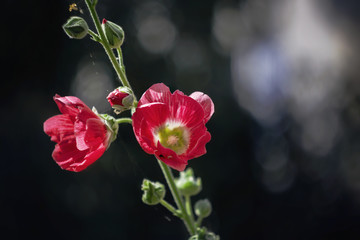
(76, 27)
(187, 184)
(110, 123)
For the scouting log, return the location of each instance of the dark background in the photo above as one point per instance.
(284, 159)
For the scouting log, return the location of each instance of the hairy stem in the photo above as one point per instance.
(105, 44)
(177, 197)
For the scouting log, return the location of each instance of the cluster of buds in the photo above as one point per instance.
(77, 28)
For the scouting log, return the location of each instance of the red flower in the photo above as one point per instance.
(172, 126)
(81, 135)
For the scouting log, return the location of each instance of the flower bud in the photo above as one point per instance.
(187, 184)
(203, 234)
(121, 99)
(114, 33)
(154, 192)
(76, 27)
(203, 208)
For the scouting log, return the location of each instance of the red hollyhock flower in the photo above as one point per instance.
(172, 126)
(81, 135)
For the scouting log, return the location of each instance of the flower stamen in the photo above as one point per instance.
(174, 138)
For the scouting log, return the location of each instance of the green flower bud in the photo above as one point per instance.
(76, 27)
(187, 184)
(203, 234)
(153, 192)
(114, 33)
(203, 208)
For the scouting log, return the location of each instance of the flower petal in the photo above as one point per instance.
(154, 113)
(59, 127)
(144, 136)
(68, 157)
(90, 133)
(206, 103)
(198, 146)
(156, 93)
(186, 110)
(170, 158)
(69, 104)
(90, 158)
(66, 154)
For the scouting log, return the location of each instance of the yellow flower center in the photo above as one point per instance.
(174, 138)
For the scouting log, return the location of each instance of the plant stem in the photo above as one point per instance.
(177, 197)
(189, 209)
(124, 120)
(94, 36)
(121, 60)
(169, 207)
(198, 221)
(105, 44)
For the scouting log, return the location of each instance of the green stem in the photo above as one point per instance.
(95, 37)
(169, 207)
(177, 197)
(189, 209)
(198, 221)
(106, 46)
(121, 60)
(124, 120)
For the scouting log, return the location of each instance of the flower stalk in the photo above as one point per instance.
(124, 120)
(177, 197)
(102, 39)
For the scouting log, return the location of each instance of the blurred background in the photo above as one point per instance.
(284, 159)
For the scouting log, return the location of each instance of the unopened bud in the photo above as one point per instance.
(114, 33)
(121, 99)
(154, 192)
(187, 184)
(203, 208)
(76, 27)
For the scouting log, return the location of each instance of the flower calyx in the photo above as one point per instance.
(111, 124)
(114, 33)
(76, 27)
(154, 192)
(121, 99)
(187, 184)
